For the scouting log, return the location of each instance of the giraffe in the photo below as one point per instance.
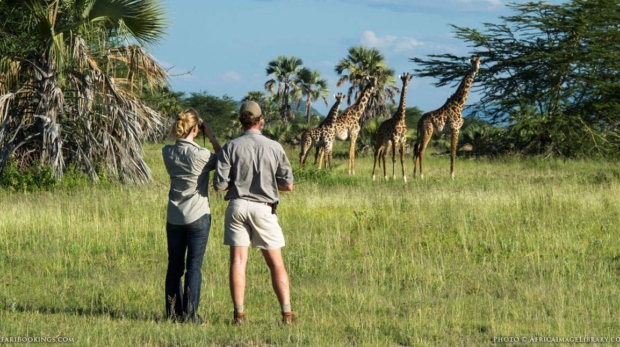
(347, 125)
(450, 115)
(316, 136)
(392, 133)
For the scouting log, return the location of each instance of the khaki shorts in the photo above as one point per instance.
(249, 222)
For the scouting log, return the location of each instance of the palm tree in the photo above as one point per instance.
(59, 106)
(362, 61)
(311, 86)
(284, 71)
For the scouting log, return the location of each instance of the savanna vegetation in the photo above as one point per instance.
(515, 247)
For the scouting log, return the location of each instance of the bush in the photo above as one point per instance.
(26, 179)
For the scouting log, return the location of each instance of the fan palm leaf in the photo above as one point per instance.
(284, 70)
(311, 86)
(363, 61)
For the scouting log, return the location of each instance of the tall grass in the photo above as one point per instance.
(510, 248)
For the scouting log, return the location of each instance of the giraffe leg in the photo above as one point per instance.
(316, 154)
(328, 154)
(454, 142)
(328, 159)
(383, 158)
(320, 152)
(416, 157)
(305, 147)
(426, 137)
(374, 166)
(402, 160)
(352, 153)
(394, 149)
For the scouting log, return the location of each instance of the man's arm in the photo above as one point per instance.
(221, 178)
(284, 173)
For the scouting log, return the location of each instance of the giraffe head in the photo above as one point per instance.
(405, 77)
(475, 63)
(339, 97)
(371, 81)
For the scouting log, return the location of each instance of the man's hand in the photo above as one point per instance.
(288, 188)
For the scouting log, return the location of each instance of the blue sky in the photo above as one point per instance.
(226, 44)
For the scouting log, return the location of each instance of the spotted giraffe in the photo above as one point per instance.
(392, 134)
(316, 137)
(448, 117)
(347, 125)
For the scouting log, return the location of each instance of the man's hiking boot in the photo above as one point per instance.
(239, 318)
(289, 317)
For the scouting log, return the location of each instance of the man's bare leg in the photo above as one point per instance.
(280, 282)
(236, 276)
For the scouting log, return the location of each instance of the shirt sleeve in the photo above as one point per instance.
(284, 173)
(204, 160)
(222, 170)
(212, 163)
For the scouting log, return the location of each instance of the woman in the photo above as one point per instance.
(188, 215)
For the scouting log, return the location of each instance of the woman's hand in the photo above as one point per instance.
(206, 129)
(208, 132)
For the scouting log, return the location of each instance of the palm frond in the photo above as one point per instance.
(144, 20)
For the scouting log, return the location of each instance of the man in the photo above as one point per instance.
(253, 169)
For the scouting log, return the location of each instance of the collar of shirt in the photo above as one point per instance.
(251, 132)
(187, 142)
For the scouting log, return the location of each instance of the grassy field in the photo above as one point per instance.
(513, 248)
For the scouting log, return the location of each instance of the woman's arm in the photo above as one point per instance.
(208, 132)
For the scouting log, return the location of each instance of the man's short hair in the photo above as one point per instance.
(249, 114)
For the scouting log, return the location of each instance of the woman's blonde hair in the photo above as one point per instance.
(186, 120)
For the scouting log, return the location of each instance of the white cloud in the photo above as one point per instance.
(406, 44)
(369, 38)
(389, 43)
(231, 76)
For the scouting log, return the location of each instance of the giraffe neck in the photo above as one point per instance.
(358, 108)
(402, 110)
(333, 111)
(460, 96)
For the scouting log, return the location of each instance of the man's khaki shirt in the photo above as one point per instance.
(251, 167)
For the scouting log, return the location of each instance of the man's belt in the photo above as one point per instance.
(261, 202)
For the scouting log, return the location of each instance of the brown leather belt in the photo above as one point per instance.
(261, 202)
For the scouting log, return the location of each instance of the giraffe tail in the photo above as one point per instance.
(416, 144)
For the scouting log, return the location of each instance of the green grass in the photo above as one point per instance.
(510, 248)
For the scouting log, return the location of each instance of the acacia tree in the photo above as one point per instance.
(363, 61)
(311, 86)
(60, 105)
(284, 69)
(550, 74)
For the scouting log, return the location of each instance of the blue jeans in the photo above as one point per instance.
(182, 302)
